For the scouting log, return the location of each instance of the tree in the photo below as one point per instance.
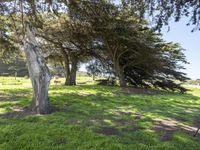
(161, 11)
(38, 71)
(138, 54)
(20, 19)
(70, 39)
(115, 30)
(25, 17)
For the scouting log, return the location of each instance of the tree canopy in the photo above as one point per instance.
(119, 35)
(161, 11)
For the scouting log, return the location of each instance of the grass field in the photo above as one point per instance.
(88, 116)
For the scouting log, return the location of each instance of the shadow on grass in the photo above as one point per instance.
(107, 111)
(118, 114)
(18, 112)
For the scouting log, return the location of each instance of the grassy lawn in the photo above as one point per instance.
(98, 117)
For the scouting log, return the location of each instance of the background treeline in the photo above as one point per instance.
(14, 67)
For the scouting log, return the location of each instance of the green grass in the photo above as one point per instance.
(24, 80)
(96, 117)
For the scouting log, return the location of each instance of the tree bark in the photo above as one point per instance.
(67, 68)
(67, 72)
(38, 71)
(93, 77)
(70, 72)
(120, 74)
(74, 61)
(122, 81)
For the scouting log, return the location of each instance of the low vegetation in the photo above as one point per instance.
(89, 116)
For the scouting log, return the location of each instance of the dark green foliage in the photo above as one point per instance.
(159, 69)
(161, 11)
(139, 56)
(8, 49)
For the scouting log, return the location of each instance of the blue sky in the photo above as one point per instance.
(180, 33)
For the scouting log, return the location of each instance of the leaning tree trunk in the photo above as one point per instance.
(38, 72)
(74, 61)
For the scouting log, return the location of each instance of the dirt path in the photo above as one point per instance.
(167, 127)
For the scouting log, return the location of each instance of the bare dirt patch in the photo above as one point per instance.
(108, 131)
(132, 129)
(196, 123)
(167, 127)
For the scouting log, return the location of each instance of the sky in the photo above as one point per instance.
(180, 33)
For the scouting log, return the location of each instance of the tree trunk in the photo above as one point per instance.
(120, 74)
(67, 73)
(38, 71)
(122, 81)
(93, 77)
(70, 72)
(74, 61)
(67, 68)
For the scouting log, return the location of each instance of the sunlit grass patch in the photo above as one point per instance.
(97, 117)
